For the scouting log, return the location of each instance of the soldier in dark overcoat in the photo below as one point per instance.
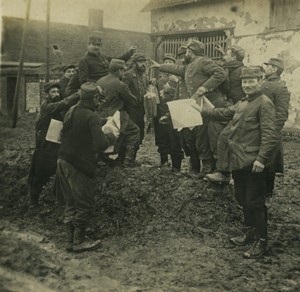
(94, 64)
(43, 163)
(251, 139)
(277, 91)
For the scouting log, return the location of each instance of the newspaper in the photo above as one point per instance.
(54, 131)
(184, 114)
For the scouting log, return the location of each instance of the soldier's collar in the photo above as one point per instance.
(250, 97)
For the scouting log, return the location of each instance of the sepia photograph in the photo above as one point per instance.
(149, 145)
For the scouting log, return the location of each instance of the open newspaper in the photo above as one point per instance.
(186, 113)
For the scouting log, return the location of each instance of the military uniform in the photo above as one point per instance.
(92, 66)
(167, 139)
(43, 163)
(277, 91)
(75, 177)
(137, 84)
(203, 71)
(119, 98)
(233, 85)
(251, 136)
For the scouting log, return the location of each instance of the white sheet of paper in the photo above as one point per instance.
(183, 114)
(54, 131)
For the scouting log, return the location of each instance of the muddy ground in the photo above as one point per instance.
(160, 231)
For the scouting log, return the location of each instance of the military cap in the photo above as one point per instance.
(88, 90)
(196, 46)
(66, 67)
(251, 72)
(49, 85)
(169, 57)
(94, 39)
(238, 51)
(182, 50)
(138, 57)
(116, 64)
(276, 62)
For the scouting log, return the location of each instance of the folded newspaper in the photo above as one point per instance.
(54, 131)
(113, 125)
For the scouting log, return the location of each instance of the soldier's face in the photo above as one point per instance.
(251, 85)
(269, 70)
(141, 66)
(229, 56)
(94, 47)
(69, 73)
(189, 55)
(54, 94)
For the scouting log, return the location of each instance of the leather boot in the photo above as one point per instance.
(247, 237)
(176, 163)
(194, 163)
(219, 177)
(69, 236)
(121, 156)
(81, 243)
(208, 166)
(129, 160)
(258, 249)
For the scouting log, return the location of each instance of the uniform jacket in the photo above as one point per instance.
(63, 83)
(233, 84)
(51, 110)
(137, 85)
(181, 90)
(92, 66)
(202, 71)
(73, 85)
(117, 95)
(82, 138)
(250, 135)
(276, 90)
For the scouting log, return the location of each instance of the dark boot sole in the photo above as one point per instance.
(92, 248)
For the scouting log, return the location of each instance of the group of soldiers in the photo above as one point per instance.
(239, 137)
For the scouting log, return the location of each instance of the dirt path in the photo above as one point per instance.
(159, 231)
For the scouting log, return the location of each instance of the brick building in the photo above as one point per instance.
(68, 44)
(264, 28)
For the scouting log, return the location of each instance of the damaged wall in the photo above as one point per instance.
(250, 21)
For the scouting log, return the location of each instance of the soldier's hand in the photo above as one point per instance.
(201, 91)
(154, 64)
(132, 49)
(219, 49)
(164, 120)
(257, 166)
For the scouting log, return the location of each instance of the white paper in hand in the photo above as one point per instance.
(54, 131)
(183, 114)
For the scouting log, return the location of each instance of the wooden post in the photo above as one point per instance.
(20, 67)
(47, 75)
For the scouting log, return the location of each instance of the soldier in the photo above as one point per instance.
(94, 65)
(202, 76)
(136, 81)
(68, 72)
(233, 64)
(276, 90)
(187, 136)
(82, 138)
(252, 137)
(167, 139)
(43, 163)
(119, 98)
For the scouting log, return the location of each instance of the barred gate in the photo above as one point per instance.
(171, 44)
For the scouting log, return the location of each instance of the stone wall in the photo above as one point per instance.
(249, 22)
